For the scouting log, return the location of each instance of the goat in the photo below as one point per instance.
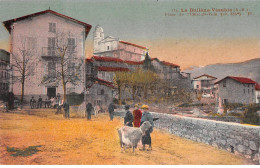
(130, 136)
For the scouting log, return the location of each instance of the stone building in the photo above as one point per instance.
(204, 84)
(257, 93)
(4, 71)
(234, 90)
(113, 47)
(38, 32)
(103, 69)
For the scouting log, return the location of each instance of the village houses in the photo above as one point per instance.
(235, 90)
(39, 35)
(204, 84)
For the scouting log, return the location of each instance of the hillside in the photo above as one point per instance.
(250, 69)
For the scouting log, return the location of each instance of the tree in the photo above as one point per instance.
(120, 81)
(66, 66)
(23, 62)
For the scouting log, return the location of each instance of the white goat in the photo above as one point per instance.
(130, 136)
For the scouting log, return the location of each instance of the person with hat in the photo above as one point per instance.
(128, 120)
(146, 139)
(137, 116)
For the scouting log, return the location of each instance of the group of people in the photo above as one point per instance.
(33, 103)
(137, 118)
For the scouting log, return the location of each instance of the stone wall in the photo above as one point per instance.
(234, 137)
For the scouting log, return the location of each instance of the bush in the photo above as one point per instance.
(250, 115)
(75, 99)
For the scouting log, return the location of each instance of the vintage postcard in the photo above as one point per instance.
(129, 82)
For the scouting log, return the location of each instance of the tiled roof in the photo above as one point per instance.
(134, 62)
(239, 79)
(124, 42)
(169, 64)
(104, 82)
(103, 68)
(257, 87)
(205, 75)
(8, 23)
(107, 59)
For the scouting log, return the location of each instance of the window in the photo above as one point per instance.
(103, 75)
(51, 69)
(197, 86)
(225, 101)
(51, 46)
(248, 90)
(107, 48)
(52, 27)
(224, 83)
(71, 68)
(102, 92)
(99, 103)
(71, 45)
(244, 91)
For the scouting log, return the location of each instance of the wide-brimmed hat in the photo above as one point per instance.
(145, 106)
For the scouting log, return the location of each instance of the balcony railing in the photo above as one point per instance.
(51, 52)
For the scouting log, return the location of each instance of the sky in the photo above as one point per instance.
(163, 26)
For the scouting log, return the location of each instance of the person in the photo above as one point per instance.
(137, 116)
(146, 139)
(89, 109)
(111, 109)
(32, 101)
(66, 107)
(59, 106)
(39, 102)
(128, 120)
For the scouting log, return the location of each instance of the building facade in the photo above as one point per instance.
(234, 90)
(4, 71)
(257, 93)
(204, 84)
(103, 69)
(113, 47)
(41, 34)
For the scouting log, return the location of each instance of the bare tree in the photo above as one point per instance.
(66, 65)
(23, 61)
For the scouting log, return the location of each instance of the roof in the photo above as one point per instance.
(103, 68)
(242, 80)
(134, 62)
(4, 55)
(8, 23)
(101, 82)
(107, 59)
(257, 87)
(124, 42)
(205, 75)
(169, 64)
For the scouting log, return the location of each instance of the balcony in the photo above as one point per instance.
(49, 53)
(52, 52)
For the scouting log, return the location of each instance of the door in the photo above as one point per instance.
(51, 92)
(51, 46)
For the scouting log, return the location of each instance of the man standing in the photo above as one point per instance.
(111, 109)
(128, 120)
(66, 107)
(40, 102)
(146, 139)
(137, 116)
(89, 109)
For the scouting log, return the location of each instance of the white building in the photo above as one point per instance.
(37, 32)
(113, 47)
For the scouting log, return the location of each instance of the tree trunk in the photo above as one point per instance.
(63, 78)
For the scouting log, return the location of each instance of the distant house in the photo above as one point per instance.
(4, 71)
(257, 93)
(204, 84)
(113, 47)
(37, 32)
(234, 90)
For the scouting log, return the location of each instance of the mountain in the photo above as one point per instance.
(249, 69)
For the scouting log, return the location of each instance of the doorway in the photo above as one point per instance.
(51, 92)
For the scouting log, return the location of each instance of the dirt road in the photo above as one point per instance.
(78, 141)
